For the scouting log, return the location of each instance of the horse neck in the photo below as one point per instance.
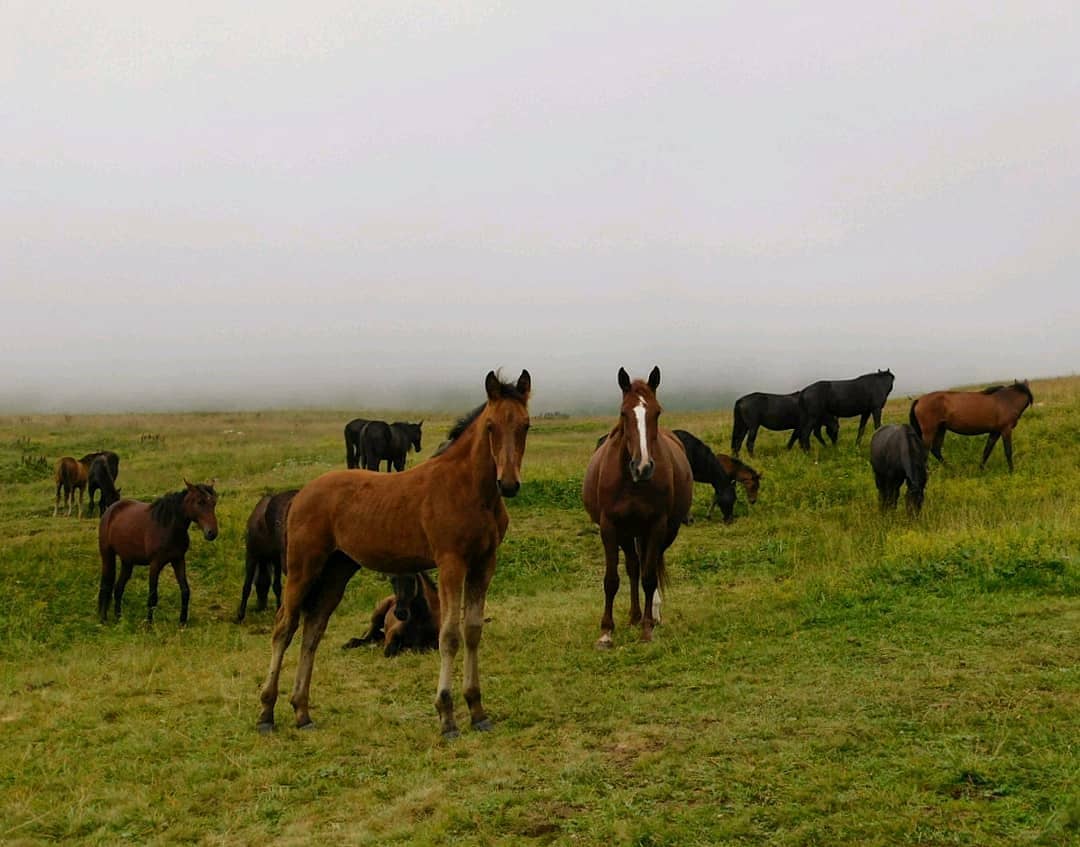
(473, 456)
(1016, 400)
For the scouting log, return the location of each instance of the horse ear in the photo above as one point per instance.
(624, 380)
(524, 384)
(188, 484)
(654, 378)
(491, 385)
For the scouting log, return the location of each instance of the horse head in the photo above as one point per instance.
(507, 423)
(406, 586)
(199, 503)
(415, 433)
(640, 414)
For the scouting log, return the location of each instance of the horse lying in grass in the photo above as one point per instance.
(897, 455)
(406, 620)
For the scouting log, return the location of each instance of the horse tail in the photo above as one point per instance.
(914, 460)
(913, 419)
(739, 427)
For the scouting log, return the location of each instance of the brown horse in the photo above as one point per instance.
(638, 488)
(71, 477)
(446, 512)
(743, 474)
(406, 619)
(264, 544)
(154, 534)
(994, 411)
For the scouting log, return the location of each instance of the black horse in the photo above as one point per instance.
(265, 549)
(100, 478)
(111, 467)
(707, 468)
(776, 412)
(864, 396)
(352, 441)
(380, 441)
(898, 455)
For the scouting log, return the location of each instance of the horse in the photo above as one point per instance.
(863, 396)
(706, 468)
(99, 478)
(352, 441)
(380, 441)
(638, 489)
(264, 543)
(407, 619)
(898, 455)
(994, 412)
(71, 477)
(777, 412)
(743, 474)
(154, 534)
(446, 513)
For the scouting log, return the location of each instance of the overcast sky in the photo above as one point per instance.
(217, 204)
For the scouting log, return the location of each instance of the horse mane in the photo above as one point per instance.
(507, 391)
(1023, 388)
(993, 389)
(168, 509)
(742, 466)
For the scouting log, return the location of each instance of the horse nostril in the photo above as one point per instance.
(401, 613)
(210, 534)
(508, 489)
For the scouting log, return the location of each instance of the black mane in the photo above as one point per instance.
(168, 509)
(993, 389)
(507, 391)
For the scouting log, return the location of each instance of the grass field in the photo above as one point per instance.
(823, 676)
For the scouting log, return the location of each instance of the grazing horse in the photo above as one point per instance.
(380, 441)
(638, 488)
(898, 455)
(352, 441)
(95, 483)
(154, 534)
(743, 474)
(264, 544)
(71, 478)
(993, 411)
(863, 396)
(99, 478)
(407, 619)
(706, 467)
(445, 513)
(777, 412)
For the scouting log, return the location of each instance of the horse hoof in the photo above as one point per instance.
(265, 728)
(483, 726)
(646, 636)
(604, 643)
(306, 726)
(451, 734)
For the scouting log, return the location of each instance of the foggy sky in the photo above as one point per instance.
(220, 205)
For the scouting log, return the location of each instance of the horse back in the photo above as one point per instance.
(128, 530)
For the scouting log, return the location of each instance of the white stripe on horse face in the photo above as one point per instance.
(639, 413)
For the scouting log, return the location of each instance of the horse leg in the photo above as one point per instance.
(633, 570)
(262, 583)
(279, 565)
(877, 418)
(151, 601)
(108, 578)
(611, 581)
(991, 440)
(121, 584)
(452, 569)
(179, 567)
(319, 606)
(56, 505)
(1006, 443)
(477, 580)
(285, 623)
(250, 564)
(751, 440)
(78, 514)
(652, 555)
(862, 428)
(935, 445)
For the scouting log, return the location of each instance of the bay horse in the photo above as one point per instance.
(71, 478)
(154, 534)
(638, 489)
(446, 513)
(407, 619)
(898, 455)
(96, 481)
(994, 412)
(777, 412)
(264, 549)
(844, 398)
(743, 474)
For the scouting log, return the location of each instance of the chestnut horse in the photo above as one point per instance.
(993, 411)
(71, 477)
(445, 513)
(638, 488)
(154, 534)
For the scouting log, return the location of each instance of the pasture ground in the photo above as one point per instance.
(823, 675)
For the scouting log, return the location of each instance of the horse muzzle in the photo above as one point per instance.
(508, 489)
(209, 534)
(642, 473)
(401, 612)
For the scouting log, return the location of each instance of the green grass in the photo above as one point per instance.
(824, 675)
